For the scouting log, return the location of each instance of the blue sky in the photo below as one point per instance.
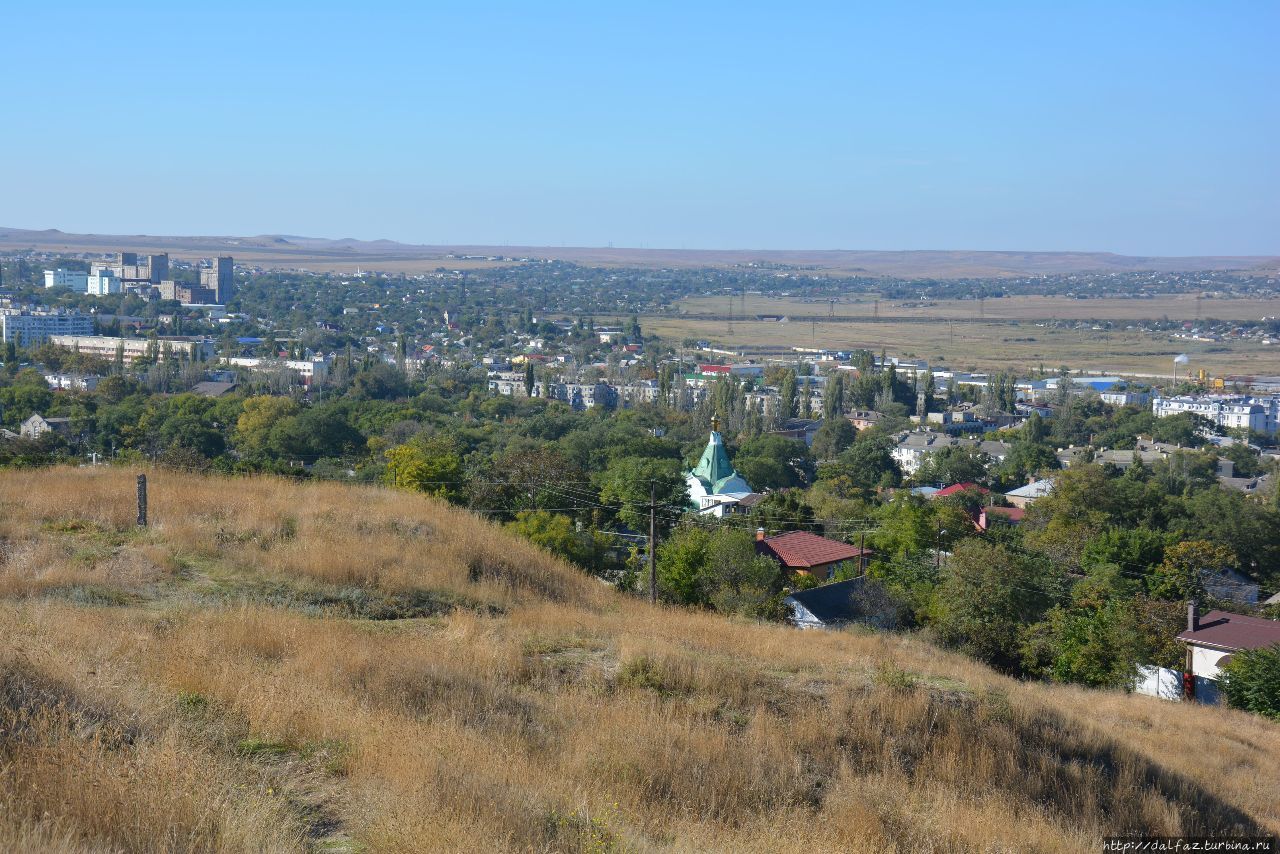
(1143, 128)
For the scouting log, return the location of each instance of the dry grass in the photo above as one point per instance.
(1180, 306)
(206, 710)
(1017, 345)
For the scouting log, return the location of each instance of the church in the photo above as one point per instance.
(715, 487)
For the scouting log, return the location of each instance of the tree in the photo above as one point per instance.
(833, 398)
(929, 390)
(555, 533)
(629, 482)
(1034, 430)
(863, 467)
(427, 464)
(787, 399)
(1180, 429)
(987, 597)
(1181, 575)
(1251, 681)
(528, 378)
(770, 461)
(1082, 505)
(953, 464)
(834, 436)
(719, 568)
(1026, 460)
(783, 511)
(258, 418)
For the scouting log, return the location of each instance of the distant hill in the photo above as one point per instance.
(291, 251)
(285, 666)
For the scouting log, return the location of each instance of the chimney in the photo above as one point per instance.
(1193, 617)
(759, 535)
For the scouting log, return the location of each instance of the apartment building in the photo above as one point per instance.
(33, 328)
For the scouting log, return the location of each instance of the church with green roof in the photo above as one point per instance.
(715, 487)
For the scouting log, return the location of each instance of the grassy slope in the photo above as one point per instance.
(227, 679)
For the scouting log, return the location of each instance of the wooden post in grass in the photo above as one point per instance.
(142, 501)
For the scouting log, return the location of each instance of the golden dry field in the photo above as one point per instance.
(281, 666)
(1012, 332)
(1171, 306)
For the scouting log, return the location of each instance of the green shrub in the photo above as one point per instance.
(1251, 681)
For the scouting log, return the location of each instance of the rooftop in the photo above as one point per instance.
(1224, 630)
(832, 604)
(957, 488)
(801, 549)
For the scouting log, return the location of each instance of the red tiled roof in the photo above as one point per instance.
(1224, 630)
(958, 487)
(801, 549)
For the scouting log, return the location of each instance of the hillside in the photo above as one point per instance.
(287, 666)
(346, 254)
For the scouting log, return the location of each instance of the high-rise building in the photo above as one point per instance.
(219, 278)
(102, 283)
(76, 280)
(158, 267)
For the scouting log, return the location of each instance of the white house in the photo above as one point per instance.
(1211, 640)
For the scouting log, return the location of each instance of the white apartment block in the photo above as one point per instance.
(309, 370)
(1258, 414)
(132, 349)
(60, 278)
(33, 328)
(102, 283)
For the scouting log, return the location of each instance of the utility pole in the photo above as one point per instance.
(142, 501)
(653, 543)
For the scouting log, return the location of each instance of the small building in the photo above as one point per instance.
(799, 429)
(37, 425)
(842, 603)
(862, 419)
(1025, 495)
(1212, 639)
(804, 553)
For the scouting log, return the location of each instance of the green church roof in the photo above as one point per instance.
(716, 472)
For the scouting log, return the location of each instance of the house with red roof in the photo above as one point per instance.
(804, 553)
(1211, 640)
(957, 488)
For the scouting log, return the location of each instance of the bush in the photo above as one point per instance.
(1251, 681)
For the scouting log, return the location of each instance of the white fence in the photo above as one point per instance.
(1158, 682)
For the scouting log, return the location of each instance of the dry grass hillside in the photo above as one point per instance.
(274, 666)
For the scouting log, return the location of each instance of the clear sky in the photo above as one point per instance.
(1143, 128)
